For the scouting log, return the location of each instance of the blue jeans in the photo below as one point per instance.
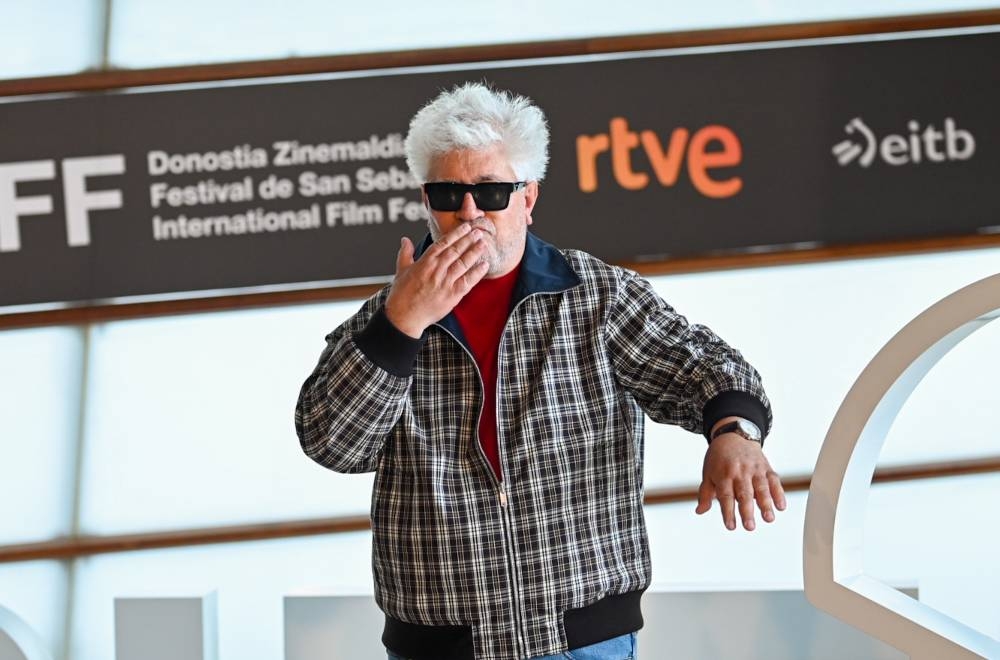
(617, 648)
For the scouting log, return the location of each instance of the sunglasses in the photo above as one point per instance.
(491, 196)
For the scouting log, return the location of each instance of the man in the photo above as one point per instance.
(497, 389)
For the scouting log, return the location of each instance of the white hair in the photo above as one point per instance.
(473, 116)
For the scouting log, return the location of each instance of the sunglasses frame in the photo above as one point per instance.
(476, 190)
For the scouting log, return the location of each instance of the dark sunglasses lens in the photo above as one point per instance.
(444, 196)
(492, 196)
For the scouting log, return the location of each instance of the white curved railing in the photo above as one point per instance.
(17, 640)
(833, 545)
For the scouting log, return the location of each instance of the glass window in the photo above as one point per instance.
(146, 33)
(936, 535)
(190, 422)
(40, 381)
(192, 416)
(951, 413)
(250, 580)
(50, 37)
(944, 558)
(36, 592)
(698, 552)
(811, 329)
(941, 535)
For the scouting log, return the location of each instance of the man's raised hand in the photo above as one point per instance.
(425, 290)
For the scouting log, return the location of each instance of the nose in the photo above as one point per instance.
(468, 211)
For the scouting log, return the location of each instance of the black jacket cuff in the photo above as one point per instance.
(387, 346)
(739, 404)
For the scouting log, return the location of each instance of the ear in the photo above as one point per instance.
(530, 198)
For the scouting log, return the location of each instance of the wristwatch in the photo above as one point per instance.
(742, 427)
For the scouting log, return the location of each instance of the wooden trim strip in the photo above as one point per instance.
(71, 548)
(114, 79)
(883, 475)
(82, 546)
(820, 254)
(118, 312)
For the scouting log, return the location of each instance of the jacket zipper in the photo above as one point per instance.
(508, 526)
(502, 499)
(515, 574)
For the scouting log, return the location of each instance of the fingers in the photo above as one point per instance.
(465, 254)
(457, 253)
(739, 495)
(404, 258)
(777, 490)
(473, 275)
(451, 237)
(765, 493)
(706, 493)
(762, 495)
(744, 495)
(727, 502)
(448, 247)
(738, 498)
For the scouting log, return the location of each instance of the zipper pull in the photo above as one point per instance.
(503, 497)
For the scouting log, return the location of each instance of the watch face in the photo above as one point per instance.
(749, 430)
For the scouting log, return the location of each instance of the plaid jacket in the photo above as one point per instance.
(521, 568)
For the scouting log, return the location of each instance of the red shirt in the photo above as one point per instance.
(482, 315)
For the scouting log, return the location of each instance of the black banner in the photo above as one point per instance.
(298, 182)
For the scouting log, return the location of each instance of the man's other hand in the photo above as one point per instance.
(737, 473)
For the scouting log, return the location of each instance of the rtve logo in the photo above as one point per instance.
(930, 144)
(666, 164)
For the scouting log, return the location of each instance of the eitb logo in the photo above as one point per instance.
(921, 144)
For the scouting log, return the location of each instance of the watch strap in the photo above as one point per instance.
(736, 427)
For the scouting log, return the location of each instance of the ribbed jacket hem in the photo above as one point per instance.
(608, 618)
